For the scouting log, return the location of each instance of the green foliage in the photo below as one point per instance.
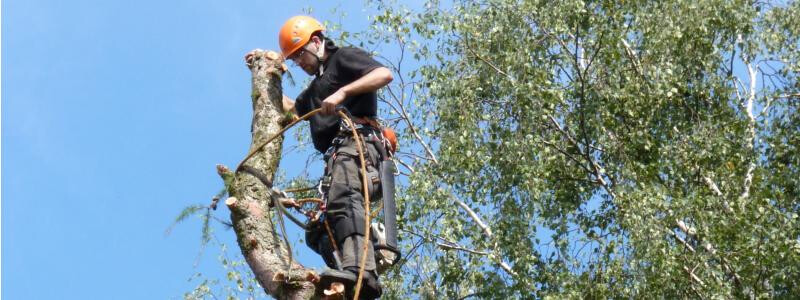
(238, 282)
(615, 149)
(205, 214)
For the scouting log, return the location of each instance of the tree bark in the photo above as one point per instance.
(252, 218)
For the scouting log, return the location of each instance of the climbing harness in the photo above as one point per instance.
(386, 177)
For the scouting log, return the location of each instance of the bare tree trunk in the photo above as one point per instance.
(251, 215)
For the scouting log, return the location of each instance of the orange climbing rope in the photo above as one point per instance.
(364, 181)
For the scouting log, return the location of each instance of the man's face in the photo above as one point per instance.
(305, 58)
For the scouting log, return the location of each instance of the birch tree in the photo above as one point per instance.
(590, 149)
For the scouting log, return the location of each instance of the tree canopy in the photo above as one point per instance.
(598, 149)
(593, 149)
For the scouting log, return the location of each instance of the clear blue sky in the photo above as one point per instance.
(114, 114)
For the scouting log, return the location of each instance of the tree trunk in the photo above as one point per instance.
(251, 215)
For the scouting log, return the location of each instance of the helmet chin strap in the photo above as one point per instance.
(320, 53)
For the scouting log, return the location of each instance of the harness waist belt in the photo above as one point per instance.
(366, 121)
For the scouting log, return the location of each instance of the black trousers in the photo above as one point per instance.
(345, 200)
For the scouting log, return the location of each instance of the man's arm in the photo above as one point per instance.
(370, 82)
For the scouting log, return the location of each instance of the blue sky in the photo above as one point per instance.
(114, 114)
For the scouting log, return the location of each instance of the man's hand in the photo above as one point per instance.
(370, 82)
(330, 103)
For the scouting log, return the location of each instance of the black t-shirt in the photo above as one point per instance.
(343, 66)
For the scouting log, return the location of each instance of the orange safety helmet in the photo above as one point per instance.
(296, 32)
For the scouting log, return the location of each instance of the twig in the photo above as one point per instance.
(411, 126)
(487, 231)
(598, 174)
(414, 155)
(632, 56)
(681, 240)
(404, 165)
(691, 232)
(693, 277)
(474, 216)
(449, 244)
(513, 81)
(713, 186)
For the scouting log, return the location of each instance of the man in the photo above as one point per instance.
(343, 77)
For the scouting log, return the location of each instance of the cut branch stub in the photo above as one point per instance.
(230, 202)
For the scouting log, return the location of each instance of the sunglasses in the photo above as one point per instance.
(297, 54)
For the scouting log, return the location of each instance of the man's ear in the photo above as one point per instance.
(317, 41)
(320, 43)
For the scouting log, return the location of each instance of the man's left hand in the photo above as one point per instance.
(330, 103)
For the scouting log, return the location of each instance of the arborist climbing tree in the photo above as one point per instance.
(341, 105)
